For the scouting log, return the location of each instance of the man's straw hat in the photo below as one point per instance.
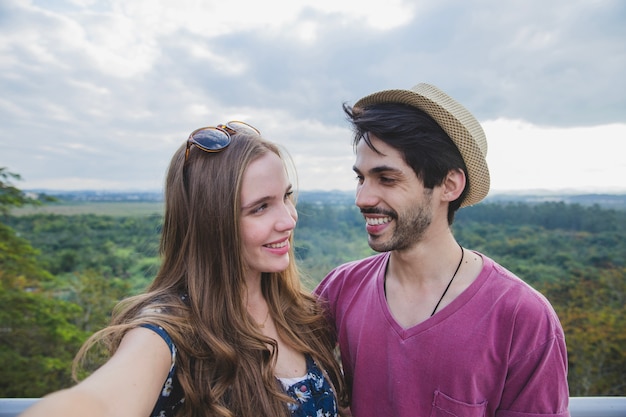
(456, 121)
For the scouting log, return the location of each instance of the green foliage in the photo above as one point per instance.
(592, 309)
(19, 268)
(10, 196)
(545, 242)
(37, 343)
(40, 331)
(95, 296)
(326, 236)
(573, 254)
(110, 246)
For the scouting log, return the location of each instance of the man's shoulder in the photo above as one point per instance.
(523, 298)
(365, 266)
(511, 280)
(353, 273)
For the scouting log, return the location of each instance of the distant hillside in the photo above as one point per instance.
(336, 197)
(613, 201)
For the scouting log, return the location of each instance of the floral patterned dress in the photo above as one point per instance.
(312, 393)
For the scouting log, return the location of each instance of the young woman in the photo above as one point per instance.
(224, 329)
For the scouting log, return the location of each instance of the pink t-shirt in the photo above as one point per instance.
(498, 349)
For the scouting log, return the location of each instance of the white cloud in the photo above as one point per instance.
(522, 156)
(128, 81)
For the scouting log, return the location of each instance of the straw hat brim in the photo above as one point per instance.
(456, 121)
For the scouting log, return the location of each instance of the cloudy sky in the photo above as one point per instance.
(98, 94)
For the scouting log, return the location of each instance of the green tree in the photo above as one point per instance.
(11, 196)
(573, 254)
(94, 296)
(37, 334)
(592, 310)
(37, 343)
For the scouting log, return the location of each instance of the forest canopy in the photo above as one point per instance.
(62, 274)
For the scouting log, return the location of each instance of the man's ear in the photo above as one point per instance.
(453, 185)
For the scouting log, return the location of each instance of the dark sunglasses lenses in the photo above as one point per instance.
(214, 139)
(210, 139)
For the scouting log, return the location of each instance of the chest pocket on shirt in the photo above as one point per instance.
(445, 406)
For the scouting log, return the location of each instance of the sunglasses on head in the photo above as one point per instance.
(216, 138)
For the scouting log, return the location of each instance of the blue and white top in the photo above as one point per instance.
(312, 392)
(171, 398)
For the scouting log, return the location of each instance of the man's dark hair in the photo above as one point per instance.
(423, 144)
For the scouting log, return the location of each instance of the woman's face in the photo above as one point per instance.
(268, 215)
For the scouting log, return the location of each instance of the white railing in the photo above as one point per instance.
(597, 406)
(578, 406)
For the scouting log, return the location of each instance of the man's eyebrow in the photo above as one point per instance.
(378, 169)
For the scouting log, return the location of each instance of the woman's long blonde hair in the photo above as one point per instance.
(224, 363)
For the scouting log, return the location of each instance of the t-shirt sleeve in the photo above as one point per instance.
(536, 383)
(327, 296)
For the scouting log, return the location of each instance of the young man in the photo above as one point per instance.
(427, 327)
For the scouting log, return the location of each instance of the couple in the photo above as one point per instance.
(425, 328)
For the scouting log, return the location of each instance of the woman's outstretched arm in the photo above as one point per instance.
(127, 385)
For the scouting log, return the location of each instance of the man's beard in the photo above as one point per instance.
(409, 228)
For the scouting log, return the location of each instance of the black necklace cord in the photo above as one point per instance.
(451, 279)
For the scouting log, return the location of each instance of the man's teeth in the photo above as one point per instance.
(277, 245)
(374, 221)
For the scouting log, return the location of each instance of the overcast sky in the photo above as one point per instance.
(99, 94)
